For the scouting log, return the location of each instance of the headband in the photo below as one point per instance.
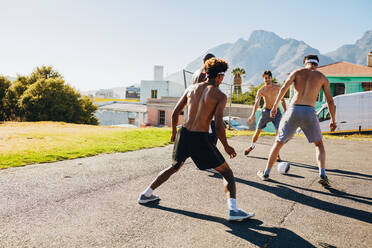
(311, 61)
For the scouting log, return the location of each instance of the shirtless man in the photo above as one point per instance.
(307, 84)
(204, 100)
(269, 92)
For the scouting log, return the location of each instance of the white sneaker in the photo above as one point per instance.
(236, 215)
(212, 171)
(143, 199)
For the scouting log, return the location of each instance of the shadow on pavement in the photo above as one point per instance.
(333, 192)
(344, 173)
(247, 230)
(289, 194)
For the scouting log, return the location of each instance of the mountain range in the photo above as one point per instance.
(267, 51)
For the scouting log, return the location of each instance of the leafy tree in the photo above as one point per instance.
(53, 100)
(43, 72)
(44, 96)
(4, 86)
(11, 99)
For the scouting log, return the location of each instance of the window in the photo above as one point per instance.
(324, 115)
(161, 117)
(339, 89)
(367, 86)
(154, 94)
(131, 121)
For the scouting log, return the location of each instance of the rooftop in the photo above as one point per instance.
(345, 69)
(124, 107)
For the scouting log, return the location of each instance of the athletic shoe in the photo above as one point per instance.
(261, 175)
(212, 171)
(144, 199)
(239, 215)
(246, 152)
(323, 180)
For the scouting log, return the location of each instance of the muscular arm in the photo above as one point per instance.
(256, 105)
(281, 93)
(220, 127)
(330, 104)
(176, 113)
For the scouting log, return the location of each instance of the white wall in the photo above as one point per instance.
(111, 117)
(164, 88)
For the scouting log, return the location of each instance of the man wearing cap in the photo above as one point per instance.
(308, 82)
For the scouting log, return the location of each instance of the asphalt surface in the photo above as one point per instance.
(92, 202)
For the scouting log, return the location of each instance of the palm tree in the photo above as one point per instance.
(237, 72)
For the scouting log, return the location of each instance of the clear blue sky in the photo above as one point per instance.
(102, 44)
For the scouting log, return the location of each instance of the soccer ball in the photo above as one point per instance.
(283, 167)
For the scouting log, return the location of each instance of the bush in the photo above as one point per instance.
(53, 100)
(4, 86)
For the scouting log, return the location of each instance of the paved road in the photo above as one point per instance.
(92, 202)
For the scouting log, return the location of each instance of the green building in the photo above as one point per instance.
(346, 78)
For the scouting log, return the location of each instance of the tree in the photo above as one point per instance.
(237, 72)
(4, 86)
(11, 99)
(43, 72)
(53, 100)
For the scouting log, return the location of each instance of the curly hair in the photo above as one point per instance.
(214, 66)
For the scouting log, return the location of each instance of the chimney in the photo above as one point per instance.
(158, 73)
(369, 59)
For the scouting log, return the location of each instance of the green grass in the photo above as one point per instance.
(29, 143)
(23, 143)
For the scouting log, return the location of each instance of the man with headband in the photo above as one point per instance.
(308, 82)
(204, 100)
(268, 92)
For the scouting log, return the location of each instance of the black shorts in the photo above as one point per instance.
(196, 145)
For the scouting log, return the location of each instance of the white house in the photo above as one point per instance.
(155, 89)
(117, 113)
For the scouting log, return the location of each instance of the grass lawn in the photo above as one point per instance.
(23, 143)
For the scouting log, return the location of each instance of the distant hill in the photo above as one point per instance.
(354, 53)
(266, 50)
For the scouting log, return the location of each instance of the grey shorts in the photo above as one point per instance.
(302, 116)
(265, 118)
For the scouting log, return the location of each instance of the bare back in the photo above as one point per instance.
(202, 100)
(269, 94)
(307, 85)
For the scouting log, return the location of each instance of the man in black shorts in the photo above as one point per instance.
(200, 76)
(205, 101)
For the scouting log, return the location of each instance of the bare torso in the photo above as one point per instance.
(307, 85)
(202, 100)
(269, 93)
